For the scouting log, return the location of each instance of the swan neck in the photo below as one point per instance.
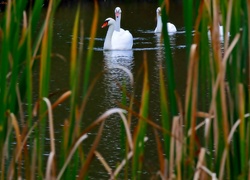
(118, 22)
(159, 23)
(108, 38)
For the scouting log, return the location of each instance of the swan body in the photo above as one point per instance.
(171, 27)
(116, 41)
(221, 33)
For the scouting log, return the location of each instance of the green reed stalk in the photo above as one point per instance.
(191, 90)
(124, 143)
(74, 84)
(15, 76)
(191, 109)
(44, 79)
(11, 58)
(30, 55)
(28, 76)
(141, 127)
(90, 47)
(204, 71)
(74, 74)
(165, 114)
(222, 72)
(205, 75)
(4, 67)
(18, 45)
(247, 12)
(188, 20)
(235, 74)
(169, 63)
(244, 79)
(28, 36)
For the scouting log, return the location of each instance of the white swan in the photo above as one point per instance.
(171, 27)
(121, 41)
(221, 33)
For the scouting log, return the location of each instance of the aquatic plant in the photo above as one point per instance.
(201, 140)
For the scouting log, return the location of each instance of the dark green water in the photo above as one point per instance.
(140, 20)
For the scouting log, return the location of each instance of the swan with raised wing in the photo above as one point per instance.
(171, 27)
(116, 41)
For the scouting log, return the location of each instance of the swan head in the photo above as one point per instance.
(118, 12)
(158, 11)
(108, 22)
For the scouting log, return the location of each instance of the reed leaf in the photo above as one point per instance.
(165, 113)
(26, 86)
(242, 133)
(104, 163)
(72, 151)
(169, 63)
(83, 171)
(90, 47)
(61, 99)
(188, 20)
(44, 79)
(9, 63)
(191, 101)
(51, 126)
(142, 125)
(73, 130)
(160, 154)
(16, 159)
(216, 99)
(74, 74)
(28, 77)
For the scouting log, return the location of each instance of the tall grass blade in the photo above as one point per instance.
(71, 153)
(165, 113)
(90, 47)
(84, 169)
(188, 20)
(74, 74)
(123, 163)
(169, 63)
(142, 125)
(191, 101)
(104, 163)
(9, 63)
(44, 79)
(160, 154)
(74, 94)
(51, 126)
(200, 162)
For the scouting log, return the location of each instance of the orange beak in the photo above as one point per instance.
(105, 24)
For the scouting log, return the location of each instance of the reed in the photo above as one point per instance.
(140, 132)
(207, 137)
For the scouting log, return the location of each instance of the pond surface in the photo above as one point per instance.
(140, 20)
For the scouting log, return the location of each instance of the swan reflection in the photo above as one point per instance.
(160, 52)
(115, 75)
(160, 43)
